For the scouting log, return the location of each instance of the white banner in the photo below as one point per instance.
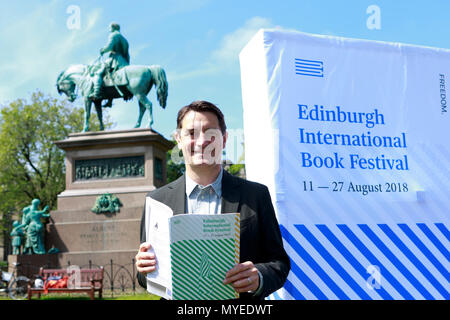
(351, 137)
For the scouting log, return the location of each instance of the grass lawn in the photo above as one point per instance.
(79, 296)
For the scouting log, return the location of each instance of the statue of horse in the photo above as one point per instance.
(139, 81)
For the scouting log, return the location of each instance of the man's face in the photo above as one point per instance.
(200, 139)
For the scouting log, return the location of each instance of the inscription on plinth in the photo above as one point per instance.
(120, 234)
(109, 235)
(109, 168)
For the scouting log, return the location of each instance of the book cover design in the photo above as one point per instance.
(203, 248)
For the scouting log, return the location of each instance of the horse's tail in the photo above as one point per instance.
(159, 77)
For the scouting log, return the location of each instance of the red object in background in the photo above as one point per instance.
(55, 281)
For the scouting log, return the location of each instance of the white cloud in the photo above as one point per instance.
(232, 43)
(39, 45)
(136, 50)
(226, 57)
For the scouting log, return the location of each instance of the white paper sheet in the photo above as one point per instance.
(157, 217)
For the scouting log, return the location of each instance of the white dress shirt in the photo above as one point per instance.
(204, 199)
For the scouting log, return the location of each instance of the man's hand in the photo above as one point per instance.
(243, 277)
(145, 261)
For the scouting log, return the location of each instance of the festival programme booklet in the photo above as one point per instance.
(193, 253)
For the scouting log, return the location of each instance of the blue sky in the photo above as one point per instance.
(197, 42)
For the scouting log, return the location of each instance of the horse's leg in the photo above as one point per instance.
(141, 114)
(98, 107)
(148, 105)
(144, 103)
(108, 104)
(150, 110)
(87, 114)
(140, 83)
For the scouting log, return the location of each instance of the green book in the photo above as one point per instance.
(193, 253)
(203, 248)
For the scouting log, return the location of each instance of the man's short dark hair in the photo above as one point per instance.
(202, 106)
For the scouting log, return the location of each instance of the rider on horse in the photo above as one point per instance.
(130, 81)
(118, 57)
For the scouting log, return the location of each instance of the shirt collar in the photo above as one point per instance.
(216, 185)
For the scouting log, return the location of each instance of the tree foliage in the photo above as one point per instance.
(32, 166)
(174, 169)
(236, 169)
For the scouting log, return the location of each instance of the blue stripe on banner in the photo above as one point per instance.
(309, 65)
(307, 282)
(308, 69)
(310, 74)
(349, 257)
(317, 64)
(314, 265)
(293, 291)
(373, 260)
(403, 248)
(310, 61)
(332, 262)
(443, 230)
(434, 239)
(298, 272)
(425, 250)
(276, 296)
(383, 248)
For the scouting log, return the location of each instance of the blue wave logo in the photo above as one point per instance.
(313, 68)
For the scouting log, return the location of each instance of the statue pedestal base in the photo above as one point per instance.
(127, 164)
(30, 263)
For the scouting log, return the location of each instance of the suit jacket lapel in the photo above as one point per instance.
(178, 199)
(230, 193)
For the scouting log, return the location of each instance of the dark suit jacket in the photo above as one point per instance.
(260, 233)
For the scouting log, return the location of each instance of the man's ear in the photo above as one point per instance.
(225, 138)
(177, 137)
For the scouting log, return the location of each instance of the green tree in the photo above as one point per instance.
(32, 166)
(174, 170)
(235, 169)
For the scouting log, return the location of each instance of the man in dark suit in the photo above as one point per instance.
(207, 188)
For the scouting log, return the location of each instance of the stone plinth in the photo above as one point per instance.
(30, 264)
(126, 164)
(99, 152)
